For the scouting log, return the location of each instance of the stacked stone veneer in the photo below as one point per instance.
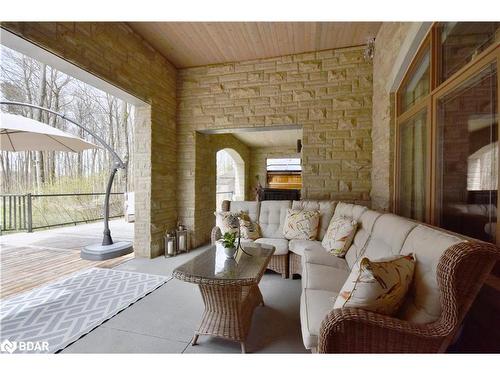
(202, 202)
(328, 93)
(113, 52)
(388, 45)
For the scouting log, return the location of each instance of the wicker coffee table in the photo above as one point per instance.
(229, 288)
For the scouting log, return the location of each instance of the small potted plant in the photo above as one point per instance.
(228, 241)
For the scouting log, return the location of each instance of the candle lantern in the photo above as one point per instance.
(170, 244)
(182, 239)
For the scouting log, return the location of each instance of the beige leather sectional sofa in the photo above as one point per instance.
(449, 272)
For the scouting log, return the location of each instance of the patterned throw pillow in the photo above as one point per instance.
(339, 235)
(378, 286)
(228, 222)
(249, 229)
(301, 225)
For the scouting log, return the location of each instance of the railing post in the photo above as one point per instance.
(30, 214)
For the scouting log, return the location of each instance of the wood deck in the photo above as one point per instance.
(30, 260)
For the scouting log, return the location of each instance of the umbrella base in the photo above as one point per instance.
(103, 252)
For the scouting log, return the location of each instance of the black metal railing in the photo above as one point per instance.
(26, 212)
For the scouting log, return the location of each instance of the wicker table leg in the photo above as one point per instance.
(228, 311)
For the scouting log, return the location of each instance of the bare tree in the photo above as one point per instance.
(27, 80)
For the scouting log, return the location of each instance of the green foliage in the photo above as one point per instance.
(95, 183)
(228, 240)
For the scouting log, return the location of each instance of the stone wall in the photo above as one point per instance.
(207, 146)
(113, 52)
(328, 93)
(388, 46)
(258, 157)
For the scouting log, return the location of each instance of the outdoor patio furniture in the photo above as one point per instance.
(270, 215)
(441, 294)
(229, 288)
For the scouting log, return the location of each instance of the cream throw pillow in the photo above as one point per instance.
(249, 229)
(301, 225)
(228, 222)
(378, 286)
(339, 235)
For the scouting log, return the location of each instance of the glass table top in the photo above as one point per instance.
(213, 264)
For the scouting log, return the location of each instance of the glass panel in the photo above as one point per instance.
(417, 85)
(462, 41)
(292, 164)
(412, 167)
(468, 157)
(214, 264)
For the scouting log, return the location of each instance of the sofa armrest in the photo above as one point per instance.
(317, 255)
(215, 235)
(461, 272)
(350, 330)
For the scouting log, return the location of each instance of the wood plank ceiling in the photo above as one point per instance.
(188, 44)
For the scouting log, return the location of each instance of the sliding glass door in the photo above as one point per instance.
(446, 167)
(467, 156)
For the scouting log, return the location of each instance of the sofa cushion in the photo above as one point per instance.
(388, 236)
(365, 227)
(301, 225)
(325, 208)
(252, 208)
(249, 229)
(353, 211)
(272, 217)
(339, 236)
(280, 244)
(246, 241)
(379, 286)
(428, 244)
(228, 222)
(320, 276)
(318, 255)
(299, 246)
(315, 304)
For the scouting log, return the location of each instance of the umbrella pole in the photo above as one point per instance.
(107, 240)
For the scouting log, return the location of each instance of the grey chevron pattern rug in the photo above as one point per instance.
(49, 318)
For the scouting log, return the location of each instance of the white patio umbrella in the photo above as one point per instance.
(19, 133)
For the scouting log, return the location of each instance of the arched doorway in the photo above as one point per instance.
(230, 183)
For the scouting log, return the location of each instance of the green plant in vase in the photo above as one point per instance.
(228, 241)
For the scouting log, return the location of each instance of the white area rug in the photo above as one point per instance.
(49, 318)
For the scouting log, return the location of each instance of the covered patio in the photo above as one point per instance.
(161, 322)
(330, 164)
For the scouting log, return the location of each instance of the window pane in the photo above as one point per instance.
(462, 41)
(412, 167)
(417, 85)
(468, 157)
(292, 164)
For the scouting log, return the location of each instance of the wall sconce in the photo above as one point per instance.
(369, 52)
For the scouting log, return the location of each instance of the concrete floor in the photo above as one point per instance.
(164, 321)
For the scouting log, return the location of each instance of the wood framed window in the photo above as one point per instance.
(446, 167)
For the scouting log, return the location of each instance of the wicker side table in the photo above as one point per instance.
(229, 288)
